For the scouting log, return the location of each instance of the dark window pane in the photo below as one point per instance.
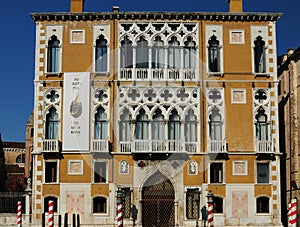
(99, 172)
(50, 172)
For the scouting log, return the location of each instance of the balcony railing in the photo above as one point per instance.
(157, 74)
(217, 146)
(264, 146)
(158, 146)
(100, 145)
(51, 145)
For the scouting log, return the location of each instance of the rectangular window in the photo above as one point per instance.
(77, 36)
(263, 173)
(75, 167)
(50, 172)
(192, 206)
(237, 37)
(100, 172)
(239, 167)
(216, 172)
(238, 96)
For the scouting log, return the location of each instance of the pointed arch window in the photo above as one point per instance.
(100, 127)
(190, 127)
(53, 55)
(125, 126)
(158, 53)
(174, 53)
(214, 54)
(215, 125)
(142, 53)
(259, 55)
(158, 126)
(142, 126)
(261, 125)
(174, 126)
(101, 54)
(126, 53)
(189, 54)
(52, 123)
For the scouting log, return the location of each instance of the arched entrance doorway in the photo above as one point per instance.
(158, 196)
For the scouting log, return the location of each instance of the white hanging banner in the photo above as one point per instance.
(76, 111)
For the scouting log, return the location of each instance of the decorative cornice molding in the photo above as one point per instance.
(218, 16)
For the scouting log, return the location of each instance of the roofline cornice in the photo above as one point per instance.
(216, 16)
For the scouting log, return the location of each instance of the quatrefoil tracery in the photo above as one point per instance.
(52, 96)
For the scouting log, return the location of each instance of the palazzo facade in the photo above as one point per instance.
(159, 105)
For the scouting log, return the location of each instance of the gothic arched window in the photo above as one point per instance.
(158, 53)
(158, 126)
(189, 54)
(190, 127)
(142, 55)
(142, 123)
(261, 125)
(174, 54)
(126, 53)
(125, 126)
(259, 55)
(174, 126)
(100, 125)
(52, 123)
(215, 125)
(53, 55)
(213, 54)
(101, 54)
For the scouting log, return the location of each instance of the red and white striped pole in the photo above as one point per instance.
(210, 201)
(292, 214)
(19, 219)
(119, 209)
(50, 213)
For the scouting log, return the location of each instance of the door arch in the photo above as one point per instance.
(158, 207)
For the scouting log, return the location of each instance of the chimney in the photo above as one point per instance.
(76, 6)
(116, 9)
(235, 6)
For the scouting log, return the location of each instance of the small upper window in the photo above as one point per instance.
(263, 173)
(216, 172)
(259, 55)
(50, 172)
(101, 54)
(218, 205)
(53, 60)
(262, 205)
(100, 205)
(100, 172)
(21, 158)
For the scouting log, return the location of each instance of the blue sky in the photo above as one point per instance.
(18, 43)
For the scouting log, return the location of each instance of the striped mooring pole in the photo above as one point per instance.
(292, 214)
(119, 208)
(210, 202)
(210, 215)
(50, 213)
(19, 218)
